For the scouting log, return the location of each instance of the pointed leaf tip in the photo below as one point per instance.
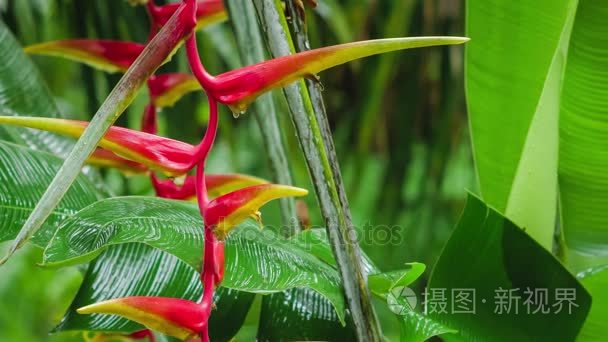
(227, 211)
(172, 316)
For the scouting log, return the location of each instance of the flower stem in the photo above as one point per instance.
(205, 146)
(209, 272)
(206, 80)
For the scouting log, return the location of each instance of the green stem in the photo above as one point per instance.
(155, 53)
(251, 48)
(308, 115)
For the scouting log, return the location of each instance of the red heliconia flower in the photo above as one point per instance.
(176, 317)
(217, 185)
(172, 157)
(207, 12)
(227, 211)
(105, 158)
(143, 334)
(107, 55)
(166, 89)
(117, 56)
(218, 261)
(240, 198)
(238, 88)
(148, 120)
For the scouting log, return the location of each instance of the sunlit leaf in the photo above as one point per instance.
(595, 281)
(583, 120)
(515, 137)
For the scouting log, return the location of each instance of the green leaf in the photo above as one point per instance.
(315, 241)
(24, 173)
(514, 67)
(270, 263)
(392, 286)
(301, 315)
(382, 283)
(24, 92)
(140, 270)
(595, 281)
(583, 160)
(488, 255)
(416, 327)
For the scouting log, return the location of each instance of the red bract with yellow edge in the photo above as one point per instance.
(167, 89)
(217, 185)
(239, 87)
(172, 157)
(107, 55)
(227, 211)
(176, 317)
(207, 12)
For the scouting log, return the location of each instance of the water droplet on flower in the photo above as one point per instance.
(238, 110)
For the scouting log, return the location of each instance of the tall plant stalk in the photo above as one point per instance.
(310, 120)
(251, 48)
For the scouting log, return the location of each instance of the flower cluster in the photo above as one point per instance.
(224, 201)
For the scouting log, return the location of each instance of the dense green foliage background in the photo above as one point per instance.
(398, 120)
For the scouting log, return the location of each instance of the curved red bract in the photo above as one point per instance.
(112, 55)
(204, 9)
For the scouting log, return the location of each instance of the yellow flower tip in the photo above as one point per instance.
(171, 316)
(86, 310)
(292, 190)
(111, 306)
(226, 212)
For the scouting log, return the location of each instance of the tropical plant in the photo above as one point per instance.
(190, 261)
